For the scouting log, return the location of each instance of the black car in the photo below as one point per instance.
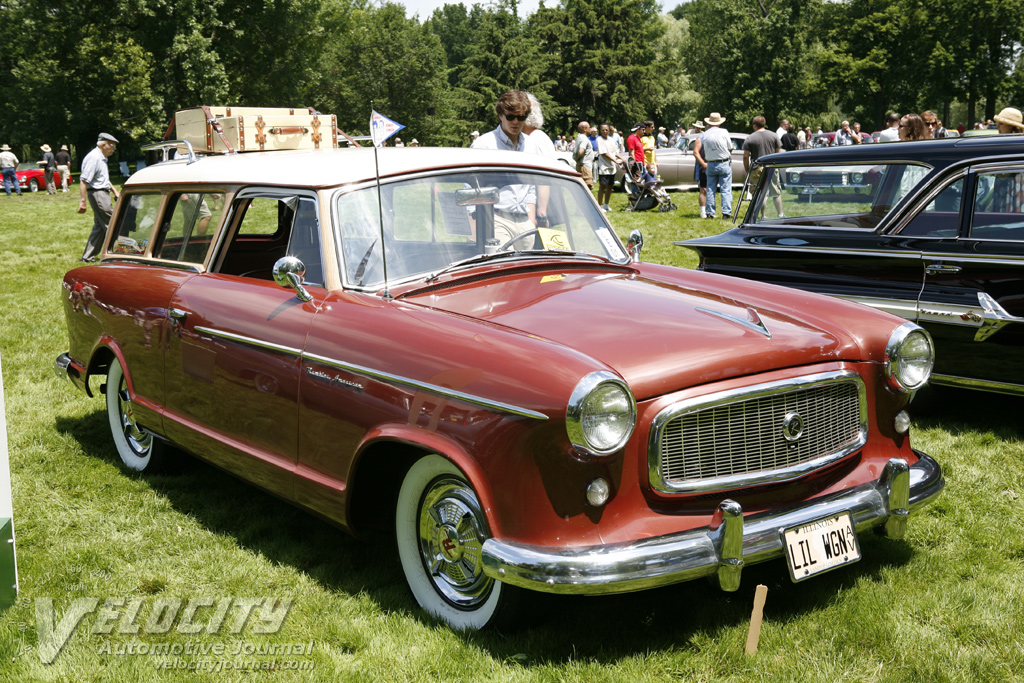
(932, 231)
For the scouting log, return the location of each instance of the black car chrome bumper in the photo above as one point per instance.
(722, 548)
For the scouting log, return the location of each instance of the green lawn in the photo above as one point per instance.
(946, 604)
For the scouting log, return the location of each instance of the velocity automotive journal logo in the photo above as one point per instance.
(134, 616)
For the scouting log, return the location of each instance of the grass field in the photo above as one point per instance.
(945, 604)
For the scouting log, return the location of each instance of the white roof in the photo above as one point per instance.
(330, 167)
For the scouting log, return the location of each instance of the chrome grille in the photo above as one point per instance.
(736, 438)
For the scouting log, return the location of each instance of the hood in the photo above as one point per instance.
(660, 334)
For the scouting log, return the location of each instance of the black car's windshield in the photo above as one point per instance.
(433, 223)
(833, 196)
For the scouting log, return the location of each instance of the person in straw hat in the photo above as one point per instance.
(49, 165)
(716, 153)
(8, 164)
(1009, 121)
(64, 167)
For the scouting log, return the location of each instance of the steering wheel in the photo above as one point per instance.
(534, 231)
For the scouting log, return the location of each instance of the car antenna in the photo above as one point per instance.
(381, 128)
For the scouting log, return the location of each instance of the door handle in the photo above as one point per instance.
(941, 269)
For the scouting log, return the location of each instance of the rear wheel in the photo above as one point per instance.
(137, 448)
(440, 530)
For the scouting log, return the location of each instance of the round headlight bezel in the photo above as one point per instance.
(588, 389)
(896, 351)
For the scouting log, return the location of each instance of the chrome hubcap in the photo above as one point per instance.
(139, 440)
(451, 540)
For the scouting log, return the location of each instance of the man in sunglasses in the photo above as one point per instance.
(516, 210)
(931, 122)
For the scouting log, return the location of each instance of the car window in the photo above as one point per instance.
(267, 228)
(187, 226)
(431, 223)
(998, 212)
(856, 196)
(136, 218)
(939, 217)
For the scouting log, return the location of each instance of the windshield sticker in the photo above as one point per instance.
(609, 243)
(554, 239)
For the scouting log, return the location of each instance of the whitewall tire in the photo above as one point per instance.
(440, 530)
(137, 448)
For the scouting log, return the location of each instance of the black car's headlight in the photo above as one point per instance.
(857, 178)
(794, 178)
(909, 357)
(601, 414)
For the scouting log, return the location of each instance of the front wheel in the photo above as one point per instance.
(441, 529)
(137, 448)
(33, 185)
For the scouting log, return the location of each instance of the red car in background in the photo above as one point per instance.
(31, 176)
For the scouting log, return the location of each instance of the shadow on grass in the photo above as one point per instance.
(556, 630)
(960, 410)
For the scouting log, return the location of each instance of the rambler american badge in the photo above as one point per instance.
(792, 426)
(333, 379)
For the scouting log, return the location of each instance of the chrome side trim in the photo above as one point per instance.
(700, 403)
(249, 341)
(904, 308)
(374, 374)
(994, 318)
(652, 562)
(980, 384)
(890, 253)
(424, 386)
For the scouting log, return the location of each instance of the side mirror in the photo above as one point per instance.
(288, 273)
(635, 245)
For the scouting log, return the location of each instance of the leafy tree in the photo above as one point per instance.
(751, 57)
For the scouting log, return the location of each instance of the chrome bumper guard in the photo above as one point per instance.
(721, 549)
(61, 365)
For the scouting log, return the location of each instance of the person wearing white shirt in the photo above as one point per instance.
(516, 210)
(782, 129)
(96, 191)
(892, 129)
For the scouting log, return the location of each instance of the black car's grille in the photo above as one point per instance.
(741, 439)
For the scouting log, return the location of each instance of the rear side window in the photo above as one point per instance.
(135, 223)
(999, 207)
(188, 226)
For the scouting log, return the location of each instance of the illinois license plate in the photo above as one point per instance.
(820, 546)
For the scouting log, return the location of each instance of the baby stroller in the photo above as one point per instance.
(643, 189)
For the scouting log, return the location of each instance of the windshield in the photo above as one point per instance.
(431, 223)
(845, 196)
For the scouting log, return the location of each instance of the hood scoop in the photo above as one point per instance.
(751, 322)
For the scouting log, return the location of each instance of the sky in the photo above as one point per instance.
(424, 8)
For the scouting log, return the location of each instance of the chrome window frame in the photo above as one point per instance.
(721, 398)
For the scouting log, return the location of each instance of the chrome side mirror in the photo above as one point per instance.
(635, 245)
(288, 273)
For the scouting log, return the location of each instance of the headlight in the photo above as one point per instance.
(601, 414)
(909, 357)
(857, 178)
(794, 178)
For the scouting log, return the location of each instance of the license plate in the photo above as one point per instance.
(820, 546)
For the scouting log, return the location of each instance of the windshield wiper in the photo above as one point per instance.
(482, 258)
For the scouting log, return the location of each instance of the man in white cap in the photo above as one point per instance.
(1007, 121)
(96, 190)
(716, 150)
(8, 165)
(473, 136)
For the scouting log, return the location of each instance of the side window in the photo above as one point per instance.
(999, 206)
(188, 225)
(135, 223)
(269, 228)
(941, 216)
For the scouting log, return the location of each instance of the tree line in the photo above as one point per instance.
(73, 68)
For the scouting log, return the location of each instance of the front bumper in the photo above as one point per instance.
(66, 368)
(721, 548)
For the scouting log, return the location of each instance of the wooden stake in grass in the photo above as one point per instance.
(754, 634)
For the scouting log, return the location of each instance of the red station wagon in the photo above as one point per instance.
(530, 405)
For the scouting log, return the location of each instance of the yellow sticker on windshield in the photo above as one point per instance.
(554, 239)
(551, 278)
